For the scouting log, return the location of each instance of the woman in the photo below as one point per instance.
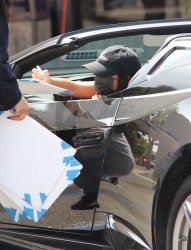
(113, 70)
(10, 95)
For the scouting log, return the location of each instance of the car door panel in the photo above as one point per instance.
(76, 114)
(130, 195)
(86, 126)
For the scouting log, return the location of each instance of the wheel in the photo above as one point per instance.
(179, 222)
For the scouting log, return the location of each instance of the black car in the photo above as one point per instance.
(139, 208)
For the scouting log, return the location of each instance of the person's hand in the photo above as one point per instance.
(20, 110)
(98, 96)
(37, 75)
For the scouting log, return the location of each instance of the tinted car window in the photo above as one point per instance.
(165, 74)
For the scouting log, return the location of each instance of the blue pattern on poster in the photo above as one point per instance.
(43, 197)
(11, 211)
(66, 91)
(27, 198)
(29, 212)
(71, 174)
(22, 216)
(41, 213)
(65, 145)
(67, 159)
(74, 163)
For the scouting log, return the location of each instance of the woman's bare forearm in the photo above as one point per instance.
(79, 89)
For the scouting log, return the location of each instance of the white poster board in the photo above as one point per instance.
(34, 87)
(36, 167)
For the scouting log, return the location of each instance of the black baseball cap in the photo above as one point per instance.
(115, 60)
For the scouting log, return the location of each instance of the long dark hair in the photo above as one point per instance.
(7, 9)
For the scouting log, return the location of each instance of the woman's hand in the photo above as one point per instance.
(37, 75)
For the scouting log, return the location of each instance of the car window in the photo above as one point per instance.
(173, 64)
(69, 65)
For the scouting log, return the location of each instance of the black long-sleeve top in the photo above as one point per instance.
(10, 94)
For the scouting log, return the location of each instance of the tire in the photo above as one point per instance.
(179, 222)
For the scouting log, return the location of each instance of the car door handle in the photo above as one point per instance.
(91, 138)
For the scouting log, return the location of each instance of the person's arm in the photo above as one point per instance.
(9, 91)
(79, 89)
(10, 95)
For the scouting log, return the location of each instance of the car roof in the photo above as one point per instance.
(75, 38)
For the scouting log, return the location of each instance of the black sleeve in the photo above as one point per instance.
(10, 94)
